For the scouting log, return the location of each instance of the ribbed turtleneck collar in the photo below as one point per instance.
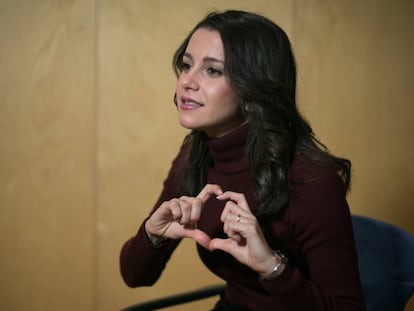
(228, 151)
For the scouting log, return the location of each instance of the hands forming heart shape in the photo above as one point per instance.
(245, 241)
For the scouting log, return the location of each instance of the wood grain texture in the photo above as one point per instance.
(46, 155)
(356, 68)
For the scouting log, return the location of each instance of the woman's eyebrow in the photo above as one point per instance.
(206, 59)
(212, 59)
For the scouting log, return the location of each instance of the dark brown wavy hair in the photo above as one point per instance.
(261, 69)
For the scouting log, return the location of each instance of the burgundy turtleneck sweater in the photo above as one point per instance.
(314, 232)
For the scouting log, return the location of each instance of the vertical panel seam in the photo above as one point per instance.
(96, 174)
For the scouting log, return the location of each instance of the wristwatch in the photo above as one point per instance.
(281, 259)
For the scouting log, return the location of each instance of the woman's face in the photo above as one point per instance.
(205, 99)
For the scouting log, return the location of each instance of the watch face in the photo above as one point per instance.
(282, 257)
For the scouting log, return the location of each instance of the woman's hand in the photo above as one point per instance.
(178, 218)
(245, 240)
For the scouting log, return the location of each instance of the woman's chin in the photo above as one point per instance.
(188, 124)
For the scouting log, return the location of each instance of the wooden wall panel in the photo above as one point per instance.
(356, 65)
(139, 134)
(46, 155)
(356, 69)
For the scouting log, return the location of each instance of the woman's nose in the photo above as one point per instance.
(189, 81)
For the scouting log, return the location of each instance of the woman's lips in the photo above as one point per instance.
(189, 104)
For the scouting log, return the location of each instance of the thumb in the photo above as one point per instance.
(199, 236)
(225, 245)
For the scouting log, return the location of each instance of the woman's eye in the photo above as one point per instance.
(214, 72)
(185, 66)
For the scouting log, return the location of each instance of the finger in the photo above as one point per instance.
(185, 208)
(236, 197)
(199, 236)
(233, 211)
(195, 206)
(208, 191)
(231, 233)
(229, 209)
(175, 210)
(228, 217)
(226, 245)
(232, 227)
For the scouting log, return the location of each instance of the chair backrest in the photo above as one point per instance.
(386, 263)
(177, 299)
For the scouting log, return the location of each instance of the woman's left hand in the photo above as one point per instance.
(245, 240)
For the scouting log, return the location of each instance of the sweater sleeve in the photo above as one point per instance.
(322, 225)
(141, 263)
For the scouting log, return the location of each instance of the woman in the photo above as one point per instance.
(262, 198)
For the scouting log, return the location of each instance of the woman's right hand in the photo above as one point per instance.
(178, 217)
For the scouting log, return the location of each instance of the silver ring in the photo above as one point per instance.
(238, 218)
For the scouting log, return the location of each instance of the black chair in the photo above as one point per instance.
(386, 264)
(178, 299)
